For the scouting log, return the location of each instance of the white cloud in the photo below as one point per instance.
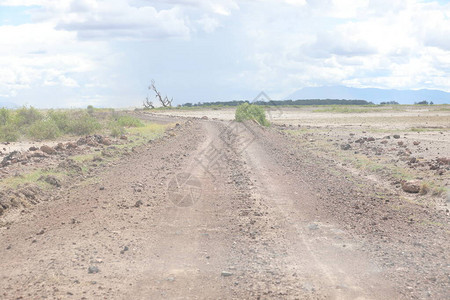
(94, 46)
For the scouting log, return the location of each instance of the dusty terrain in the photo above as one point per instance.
(221, 210)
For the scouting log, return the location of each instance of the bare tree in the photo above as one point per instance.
(165, 102)
(148, 104)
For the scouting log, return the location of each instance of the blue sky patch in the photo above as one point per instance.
(15, 15)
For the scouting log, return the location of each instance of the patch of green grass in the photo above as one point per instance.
(129, 121)
(426, 129)
(30, 178)
(81, 158)
(251, 112)
(346, 109)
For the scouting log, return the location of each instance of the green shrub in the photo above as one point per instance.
(61, 120)
(251, 112)
(9, 133)
(5, 116)
(128, 121)
(26, 116)
(84, 125)
(90, 110)
(44, 130)
(116, 130)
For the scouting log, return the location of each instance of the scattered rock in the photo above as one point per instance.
(52, 180)
(124, 250)
(370, 139)
(396, 136)
(226, 274)
(346, 147)
(104, 140)
(313, 226)
(97, 158)
(443, 160)
(400, 143)
(411, 186)
(59, 147)
(416, 143)
(71, 145)
(138, 203)
(93, 270)
(204, 118)
(38, 154)
(48, 150)
(33, 148)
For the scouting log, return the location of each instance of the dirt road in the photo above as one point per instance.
(224, 211)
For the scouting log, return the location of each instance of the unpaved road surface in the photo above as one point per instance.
(223, 210)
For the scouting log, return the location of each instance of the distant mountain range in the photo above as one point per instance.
(371, 94)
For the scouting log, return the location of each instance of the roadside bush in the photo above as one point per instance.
(90, 110)
(128, 121)
(84, 125)
(26, 116)
(61, 120)
(9, 133)
(5, 116)
(44, 130)
(251, 112)
(116, 130)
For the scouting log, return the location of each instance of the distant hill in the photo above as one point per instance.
(7, 104)
(371, 94)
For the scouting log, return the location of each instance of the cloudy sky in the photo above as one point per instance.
(71, 53)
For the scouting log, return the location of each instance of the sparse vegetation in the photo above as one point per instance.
(30, 123)
(251, 112)
(345, 109)
(128, 121)
(84, 124)
(44, 130)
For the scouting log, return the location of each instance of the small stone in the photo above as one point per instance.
(346, 147)
(226, 274)
(124, 250)
(313, 226)
(102, 188)
(138, 203)
(93, 270)
(52, 180)
(48, 150)
(396, 136)
(411, 186)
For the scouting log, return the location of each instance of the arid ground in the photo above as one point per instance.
(322, 204)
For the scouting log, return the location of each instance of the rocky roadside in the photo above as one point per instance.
(32, 176)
